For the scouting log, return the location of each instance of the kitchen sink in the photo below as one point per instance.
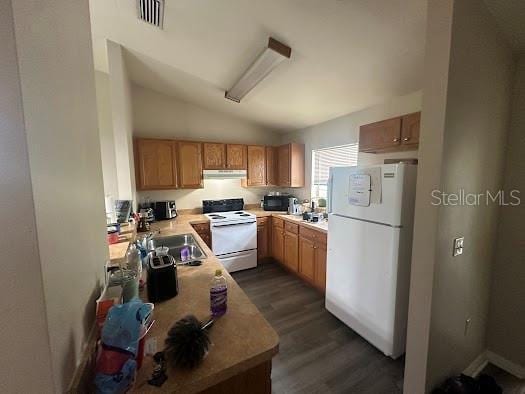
(176, 244)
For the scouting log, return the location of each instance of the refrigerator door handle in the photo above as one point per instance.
(330, 184)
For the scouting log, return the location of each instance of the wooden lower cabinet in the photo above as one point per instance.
(307, 258)
(320, 267)
(300, 249)
(277, 239)
(291, 255)
(203, 229)
(263, 238)
(256, 380)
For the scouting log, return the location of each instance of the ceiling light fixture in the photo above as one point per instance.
(270, 58)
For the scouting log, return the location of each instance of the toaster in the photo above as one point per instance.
(162, 280)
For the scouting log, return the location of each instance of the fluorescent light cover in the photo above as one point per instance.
(270, 58)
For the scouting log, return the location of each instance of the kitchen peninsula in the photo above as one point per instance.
(243, 342)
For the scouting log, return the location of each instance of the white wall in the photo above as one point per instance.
(107, 141)
(471, 147)
(25, 365)
(122, 117)
(58, 97)
(437, 60)
(213, 189)
(159, 116)
(345, 130)
(507, 312)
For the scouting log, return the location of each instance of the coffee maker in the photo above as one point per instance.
(294, 207)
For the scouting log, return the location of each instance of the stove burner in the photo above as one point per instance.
(217, 217)
(238, 213)
(244, 214)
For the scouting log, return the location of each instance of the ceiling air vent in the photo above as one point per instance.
(151, 11)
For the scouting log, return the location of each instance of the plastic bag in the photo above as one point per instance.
(123, 325)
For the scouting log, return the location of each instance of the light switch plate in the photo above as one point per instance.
(458, 246)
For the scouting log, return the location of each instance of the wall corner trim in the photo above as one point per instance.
(486, 357)
(476, 366)
(507, 365)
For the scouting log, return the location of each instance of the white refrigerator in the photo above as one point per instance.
(370, 221)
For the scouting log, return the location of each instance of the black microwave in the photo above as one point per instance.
(276, 203)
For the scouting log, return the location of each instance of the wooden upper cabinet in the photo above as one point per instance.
(156, 164)
(190, 164)
(271, 166)
(290, 158)
(214, 156)
(410, 125)
(256, 165)
(396, 134)
(380, 136)
(236, 157)
(283, 160)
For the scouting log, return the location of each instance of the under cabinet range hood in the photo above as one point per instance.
(224, 174)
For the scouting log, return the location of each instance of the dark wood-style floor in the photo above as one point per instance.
(317, 352)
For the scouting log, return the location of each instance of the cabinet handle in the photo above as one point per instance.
(395, 140)
(406, 138)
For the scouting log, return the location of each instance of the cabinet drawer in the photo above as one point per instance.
(321, 237)
(262, 221)
(277, 222)
(307, 233)
(291, 227)
(201, 227)
(313, 235)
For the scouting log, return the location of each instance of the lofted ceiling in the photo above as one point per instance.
(346, 54)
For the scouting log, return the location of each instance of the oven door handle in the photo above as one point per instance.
(231, 224)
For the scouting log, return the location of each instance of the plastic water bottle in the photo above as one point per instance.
(218, 294)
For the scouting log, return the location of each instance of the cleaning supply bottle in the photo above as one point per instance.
(218, 294)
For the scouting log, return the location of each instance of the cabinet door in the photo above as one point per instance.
(277, 243)
(256, 165)
(236, 157)
(381, 135)
(156, 164)
(283, 160)
(296, 165)
(271, 166)
(307, 258)
(214, 156)
(320, 266)
(410, 125)
(262, 240)
(291, 251)
(190, 165)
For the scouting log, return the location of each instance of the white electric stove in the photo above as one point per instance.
(233, 234)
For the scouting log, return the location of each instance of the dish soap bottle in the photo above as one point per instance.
(218, 294)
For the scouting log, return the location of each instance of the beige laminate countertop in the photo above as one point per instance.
(241, 339)
(117, 252)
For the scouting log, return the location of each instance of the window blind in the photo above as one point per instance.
(323, 159)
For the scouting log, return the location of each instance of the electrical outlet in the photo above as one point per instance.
(458, 246)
